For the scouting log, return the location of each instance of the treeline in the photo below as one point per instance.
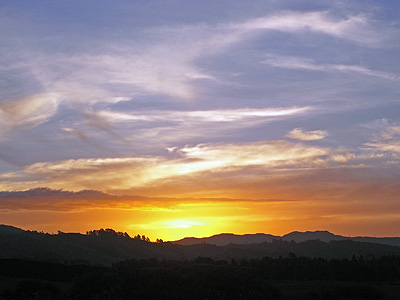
(108, 232)
(201, 278)
(106, 246)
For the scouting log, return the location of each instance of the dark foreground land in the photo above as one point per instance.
(204, 278)
(98, 265)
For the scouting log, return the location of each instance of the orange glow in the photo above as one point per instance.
(273, 187)
(184, 218)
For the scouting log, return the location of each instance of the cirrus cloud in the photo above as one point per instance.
(301, 63)
(143, 171)
(28, 111)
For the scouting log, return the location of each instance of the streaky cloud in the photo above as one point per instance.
(222, 115)
(43, 192)
(144, 171)
(271, 153)
(353, 28)
(46, 199)
(28, 111)
(301, 63)
(163, 61)
(166, 128)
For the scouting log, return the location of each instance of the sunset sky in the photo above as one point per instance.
(192, 118)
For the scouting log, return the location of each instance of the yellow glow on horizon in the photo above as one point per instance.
(182, 223)
(173, 219)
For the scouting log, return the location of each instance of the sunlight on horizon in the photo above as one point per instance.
(182, 223)
(202, 219)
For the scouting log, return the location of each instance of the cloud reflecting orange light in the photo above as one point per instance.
(113, 174)
(174, 218)
(270, 186)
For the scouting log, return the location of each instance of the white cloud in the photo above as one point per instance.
(167, 128)
(275, 153)
(29, 111)
(162, 60)
(141, 171)
(301, 63)
(299, 134)
(354, 28)
(221, 115)
(388, 140)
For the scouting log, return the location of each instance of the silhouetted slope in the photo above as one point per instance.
(313, 248)
(229, 238)
(107, 246)
(324, 236)
(296, 236)
(101, 249)
(393, 241)
(9, 230)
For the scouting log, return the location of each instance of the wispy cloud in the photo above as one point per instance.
(387, 140)
(135, 172)
(222, 115)
(163, 61)
(274, 168)
(301, 63)
(27, 112)
(45, 199)
(299, 134)
(167, 128)
(275, 153)
(354, 28)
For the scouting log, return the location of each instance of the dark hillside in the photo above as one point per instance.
(104, 247)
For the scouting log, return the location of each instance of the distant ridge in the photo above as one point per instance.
(228, 238)
(296, 236)
(324, 236)
(106, 246)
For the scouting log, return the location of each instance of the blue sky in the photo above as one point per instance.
(184, 98)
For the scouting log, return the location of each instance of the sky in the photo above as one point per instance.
(192, 118)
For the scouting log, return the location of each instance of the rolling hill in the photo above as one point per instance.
(108, 246)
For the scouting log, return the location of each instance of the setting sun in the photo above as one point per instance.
(182, 223)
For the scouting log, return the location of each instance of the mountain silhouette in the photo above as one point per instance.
(296, 236)
(106, 246)
(228, 238)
